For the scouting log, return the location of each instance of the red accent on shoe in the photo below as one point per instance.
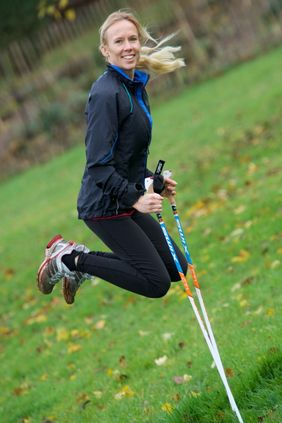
(53, 240)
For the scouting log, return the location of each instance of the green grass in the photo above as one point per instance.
(95, 361)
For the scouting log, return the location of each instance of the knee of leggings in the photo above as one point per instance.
(160, 290)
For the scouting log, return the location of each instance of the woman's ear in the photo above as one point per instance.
(104, 51)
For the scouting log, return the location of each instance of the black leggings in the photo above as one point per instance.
(140, 260)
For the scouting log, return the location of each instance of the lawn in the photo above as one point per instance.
(114, 357)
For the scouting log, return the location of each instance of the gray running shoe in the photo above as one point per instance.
(52, 269)
(71, 285)
(72, 282)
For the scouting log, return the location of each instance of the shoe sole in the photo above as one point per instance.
(68, 294)
(40, 285)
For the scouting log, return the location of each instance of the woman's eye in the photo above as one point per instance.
(118, 41)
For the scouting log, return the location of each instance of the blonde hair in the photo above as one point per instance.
(158, 58)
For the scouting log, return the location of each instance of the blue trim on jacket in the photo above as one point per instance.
(109, 156)
(139, 78)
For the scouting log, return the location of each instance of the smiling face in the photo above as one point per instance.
(122, 46)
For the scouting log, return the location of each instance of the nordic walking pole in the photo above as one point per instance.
(192, 270)
(191, 266)
(196, 312)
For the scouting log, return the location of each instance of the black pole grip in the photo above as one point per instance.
(159, 167)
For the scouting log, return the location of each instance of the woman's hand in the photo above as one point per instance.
(149, 203)
(170, 188)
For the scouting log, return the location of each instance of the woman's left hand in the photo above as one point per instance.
(170, 188)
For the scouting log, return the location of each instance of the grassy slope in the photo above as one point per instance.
(222, 138)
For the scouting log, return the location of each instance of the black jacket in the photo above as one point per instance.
(117, 140)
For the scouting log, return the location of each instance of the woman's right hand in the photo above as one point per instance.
(149, 203)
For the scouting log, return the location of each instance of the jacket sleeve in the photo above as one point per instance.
(101, 140)
(148, 173)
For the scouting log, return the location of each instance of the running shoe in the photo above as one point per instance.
(52, 269)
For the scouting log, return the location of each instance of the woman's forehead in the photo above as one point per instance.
(122, 27)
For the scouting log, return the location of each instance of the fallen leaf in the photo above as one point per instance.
(243, 303)
(100, 325)
(143, 333)
(82, 397)
(109, 372)
(176, 397)
(80, 333)
(167, 407)
(8, 273)
(248, 280)
(62, 334)
(240, 209)
(122, 361)
(275, 264)
(236, 233)
(98, 394)
(161, 360)
(195, 394)
(85, 403)
(88, 320)
(244, 255)
(4, 330)
(252, 168)
(270, 312)
(248, 224)
(167, 336)
(236, 287)
(72, 348)
(22, 389)
(229, 372)
(50, 419)
(36, 319)
(258, 311)
(179, 380)
(125, 392)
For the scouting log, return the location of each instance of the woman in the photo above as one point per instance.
(112, 199)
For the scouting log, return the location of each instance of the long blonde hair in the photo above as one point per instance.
(158, 58)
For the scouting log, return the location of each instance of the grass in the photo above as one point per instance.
(95, 361)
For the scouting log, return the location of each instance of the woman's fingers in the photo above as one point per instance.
(169, 181)
(149, 203)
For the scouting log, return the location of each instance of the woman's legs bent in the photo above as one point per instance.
(140, 260)
(134, 263)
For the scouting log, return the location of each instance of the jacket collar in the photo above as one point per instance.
(140, 78)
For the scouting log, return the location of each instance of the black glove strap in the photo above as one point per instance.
(158, 183)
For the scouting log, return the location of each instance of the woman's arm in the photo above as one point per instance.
(101, 140)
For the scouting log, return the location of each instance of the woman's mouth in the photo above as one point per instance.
(128, 56)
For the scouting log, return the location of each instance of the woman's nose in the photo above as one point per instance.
(127, 45)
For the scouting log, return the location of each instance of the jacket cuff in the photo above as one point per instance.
(131, 195)
(148, 173)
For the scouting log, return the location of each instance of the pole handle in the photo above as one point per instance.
(159, 167)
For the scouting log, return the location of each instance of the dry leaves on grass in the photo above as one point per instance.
(22, 389)
(179, 380)
(37, 318)
(161, 360)
(167, 407)
(100, 324)
(125, 392)
(243, 256)
(72, 348)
